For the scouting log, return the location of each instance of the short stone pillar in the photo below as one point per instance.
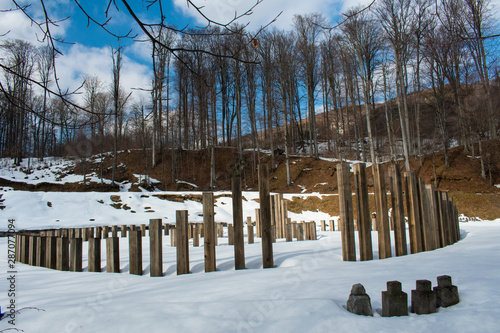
(446, 293)
(359, 302)
(423, 299)
(394, 300)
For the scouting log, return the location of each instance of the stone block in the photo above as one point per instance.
(423, 299)
(394, 300)
(359, 302)
(446, 292)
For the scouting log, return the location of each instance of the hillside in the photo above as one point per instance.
(474, 195)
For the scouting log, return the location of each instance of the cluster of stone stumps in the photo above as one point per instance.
(424, 299)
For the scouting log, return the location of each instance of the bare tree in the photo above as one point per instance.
(308, 29)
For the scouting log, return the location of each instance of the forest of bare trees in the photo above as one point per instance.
(398, 79)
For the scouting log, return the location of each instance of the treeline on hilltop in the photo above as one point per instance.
(401, 78)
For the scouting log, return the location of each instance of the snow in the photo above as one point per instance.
(306, 292)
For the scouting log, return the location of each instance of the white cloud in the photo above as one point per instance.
(16, 25)
(81, 60)
(224, 10)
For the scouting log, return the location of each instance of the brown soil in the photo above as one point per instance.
(473, 195)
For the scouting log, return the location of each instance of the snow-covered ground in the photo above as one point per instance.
(306, 292)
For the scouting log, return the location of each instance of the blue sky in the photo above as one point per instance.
(89, 51)
(89, 48)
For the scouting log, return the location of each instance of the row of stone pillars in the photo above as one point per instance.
(62, 249)
(432, 215)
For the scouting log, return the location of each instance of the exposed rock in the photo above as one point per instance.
(359, 302)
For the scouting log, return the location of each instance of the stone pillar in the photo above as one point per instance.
(135, 251)
(394, 300)
(346, 212)
(182, 242)
(446, 292)
(75, 259)
(94, 254)
(113, 255)
(359, 302)
(155, 247)
(423, 299)
(209, 230)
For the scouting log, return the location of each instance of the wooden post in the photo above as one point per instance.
(123, 231)
(98, 232)
(94, 254)
(439, 223)
(383, 229)
(173, 239)
(75, 259)
(135, 251)
(443, 198)
(182, 242)
(105, 232)
(300, 231)
(113, 255)
(307, 229)
(239, 237)
(257, 222)
(346, 212)
(196, 235)
(167, 229)
(414, 221)
(209, 230)
(288, 230)
(314, 235)
(230, 234)
(363, 210)
(332, 225)
(62, 254)
(323, 225)
(398, 210)
(41, 246)
(433, 216)
(51, 252)
(450, 221)
(143, 230)
(155, 247)
(265, 217)
(32, 251)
